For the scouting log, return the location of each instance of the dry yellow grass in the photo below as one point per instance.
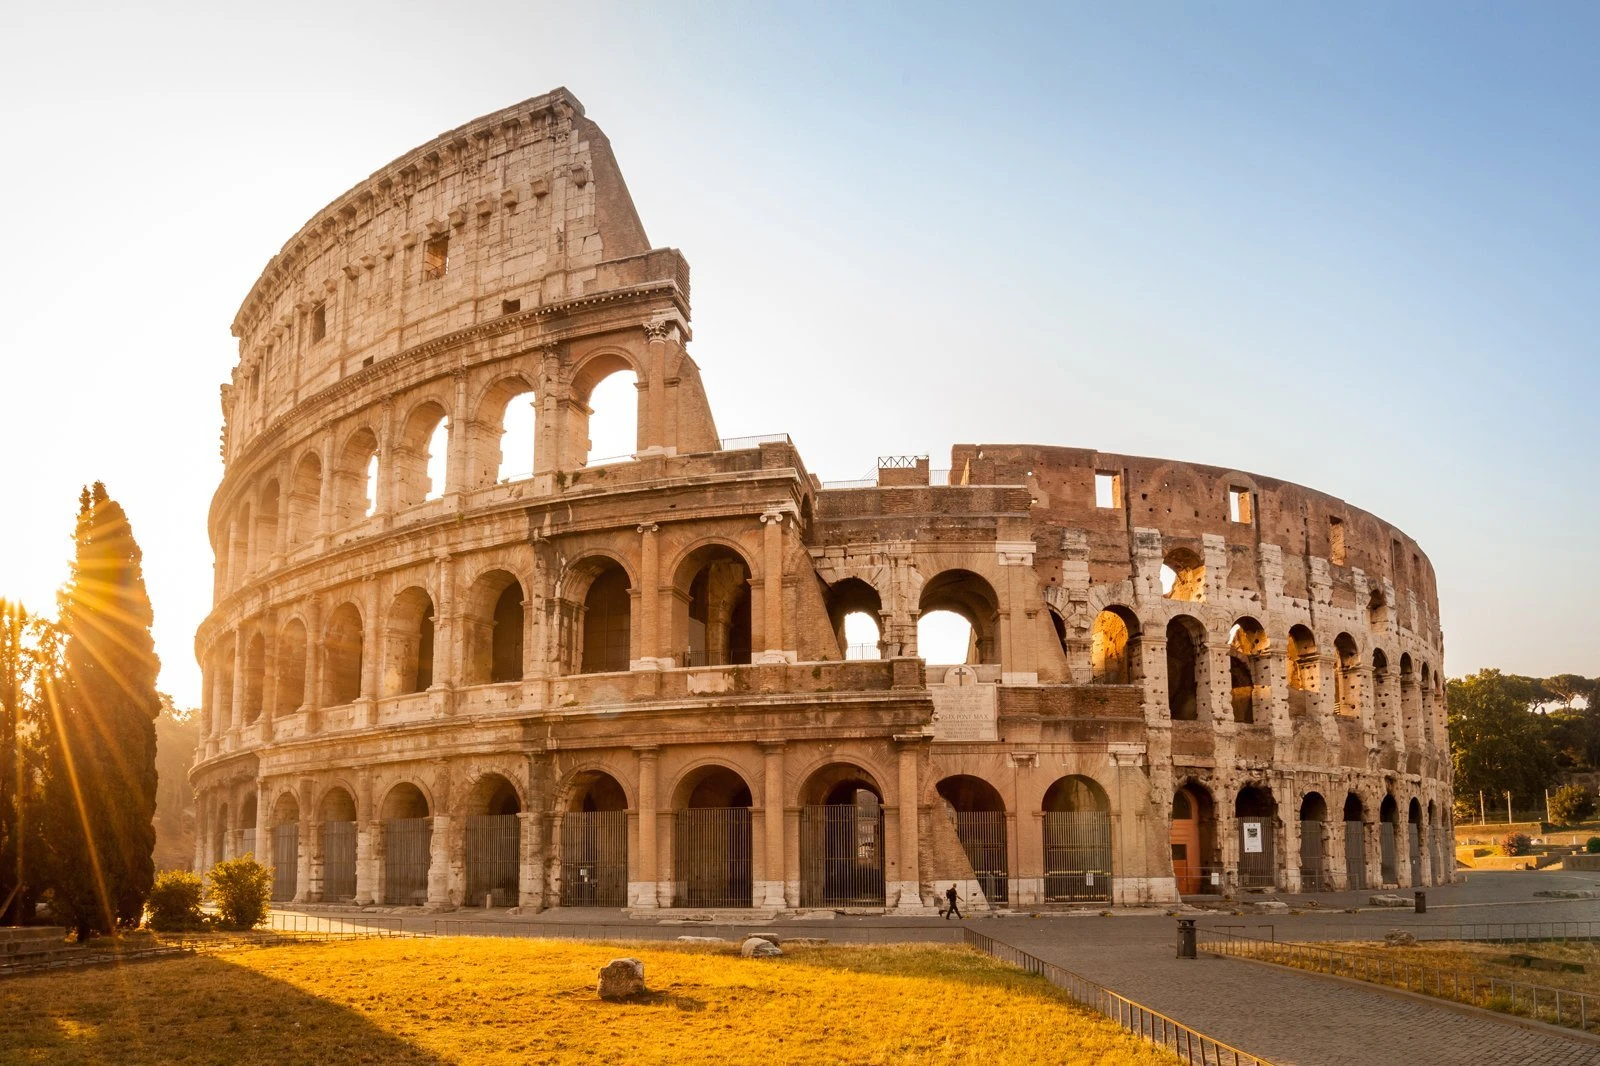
(526, 1001)
(1490, 960)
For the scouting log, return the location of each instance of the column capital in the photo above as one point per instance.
(648, 527)
(773, 747)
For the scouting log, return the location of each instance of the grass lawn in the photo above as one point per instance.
(1492, 960)
(465, 1000)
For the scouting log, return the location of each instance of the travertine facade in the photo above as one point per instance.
(546, 682)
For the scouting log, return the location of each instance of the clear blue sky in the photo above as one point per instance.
(1354, 247)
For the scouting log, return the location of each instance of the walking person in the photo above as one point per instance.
(950, 894)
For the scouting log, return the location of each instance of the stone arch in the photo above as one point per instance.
(593, 835)
(1078, 858)
(711, 850)
(264, 535)
(1388, 831)
(355, 477)
(495, 625)
(853, 597)
(492, 806)
(593, 372)
(305, 500)
(969, 596)
(495, 458)
(1186, 642)
(1247, 651)
(1256, 809)
(1114, 647)
(427, 429)
(1305, 665)
(342, 656)
(248, 819)
(711, 612)
(255, 677)
(336, 810)
(1313, 843)
(1347, 688)
(1194, 839)
(1355, 842)
(408, 650)
(407, 843)
(841, 838)
(976, 810)
(602, 621)
(1183, 575)
(1377, 608)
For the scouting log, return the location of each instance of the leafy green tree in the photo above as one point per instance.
(101, 747)
(242, 889)
(1498, 741)
(1571, 804)
(175, 902)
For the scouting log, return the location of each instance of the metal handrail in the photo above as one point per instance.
(1190, 1045)
(1560, 1006)
(734, 444)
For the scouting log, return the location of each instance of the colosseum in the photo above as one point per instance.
(454, 665)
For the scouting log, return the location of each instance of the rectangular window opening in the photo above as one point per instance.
(1239, 506)
(1397, 556)
(1107, 489)
(436, 257)
(1336, 541)
(510, 307)
(319, 322)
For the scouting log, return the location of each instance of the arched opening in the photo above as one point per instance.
(711, 840)
(1410, 701)
(285, 848)
(290, 693)
(1183, 575)
(255, 677)
(711, 611)
(1185, 647)
(1113, 647)
(1077, 841)
(1247, 651)
(247, 826)
(970, 598)
(1388, 826)
(594, 844)
(1194, 842)
(493, 621)
(1380, 691)
(494, 843)
(338, 814)
(854, 610)
(841, 839)
(421, 456)
(1347, 687)
(305, 499)
(607, 620)
(408, 644)
(1256, 812)
(264, 538)
(407, 846)
(978, 814)
(342, 654)
(1313, 864)
(507, 433)
(1305, 668)
(1377, 609)
(608, 418)
(1414, 840)
(356, 479)
(1355, 843)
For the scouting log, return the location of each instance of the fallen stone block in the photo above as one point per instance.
(1386, 900)
(1399, 938)
(759, 948)
(802, 941)
(701, 940)
(622, 979)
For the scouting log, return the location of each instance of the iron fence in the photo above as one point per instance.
(1415, 844)
(1313, 869)
(247, 843)
(1077, 856)
(285, 860)
(1257, 868)
(841, 856)
(1355, 855)
(1201, 879)
(594, 859)
(711, 857)
(983, 838)
(338, 860)
(1559, 1006)
(365, 925)
(407, 848)
(1386, 849)
(734, 444)
(494, 859)
(1189, 1045)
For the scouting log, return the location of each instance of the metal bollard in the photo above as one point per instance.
(1422, 902)
(1186, 947)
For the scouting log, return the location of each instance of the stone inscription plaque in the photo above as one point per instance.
(963, 709)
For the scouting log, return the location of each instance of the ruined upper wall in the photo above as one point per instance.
(1188, 502)
(525, 205)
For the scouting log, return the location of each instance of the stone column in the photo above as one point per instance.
(280, 534)
(644, 886)
(263, 849)
(445, 627)
(368, 828)
(772, 588)
(649, 642)
(236, 708)
(439, 865)
(383, 504)
(652, 410)
(908, 892)
(325, 494)
(530, 867)
(1402, 848)
(269, 678)
(312, 697)
(772, 819)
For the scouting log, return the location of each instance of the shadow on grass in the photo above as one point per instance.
(193, 1009)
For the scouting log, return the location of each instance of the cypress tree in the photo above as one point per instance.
(101, 783)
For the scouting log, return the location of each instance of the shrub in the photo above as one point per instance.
(1571, 804)
(1592, 845)
(1516, 844)
(174, 902)
(241, 889)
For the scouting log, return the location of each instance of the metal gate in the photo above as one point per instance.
(1355, 855)
(1313, 876)
(248, 839)
(711, 857)
(594, 859)
(285, 860)
(494, 859)
(1390, 868)
(1257, 863)
(1415, 840)
(1077, 856)
(406, 846)
(841, 856)
(983, 838)
(338, 861)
